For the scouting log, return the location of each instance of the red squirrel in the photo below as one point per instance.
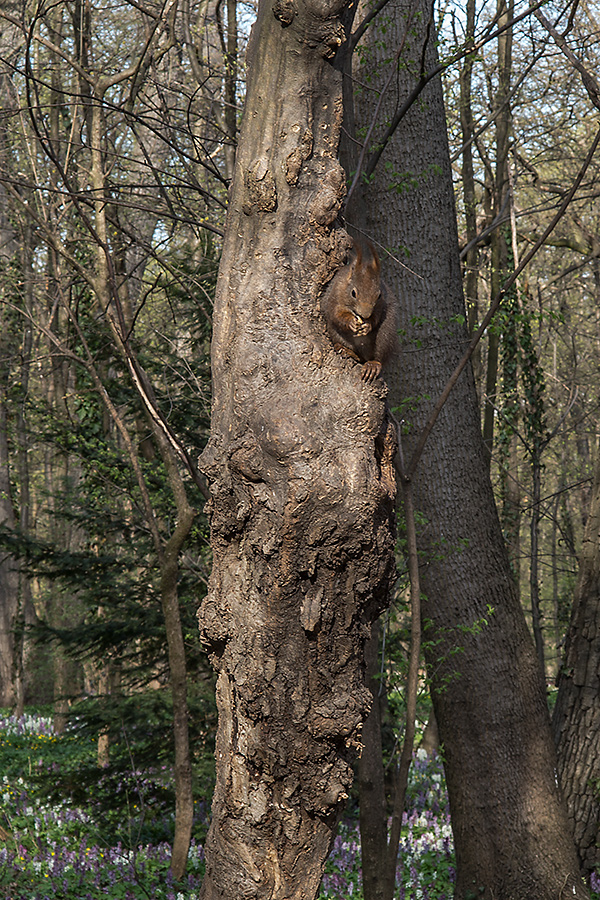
(360, 312)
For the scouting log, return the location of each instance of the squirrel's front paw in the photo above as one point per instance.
(371, 370)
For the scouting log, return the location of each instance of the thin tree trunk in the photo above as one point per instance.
(26, 615)
(184, 800)
(103, 748)
(301, 464)
(511, 506)
(471, 263)
(61, 476)
(412, 678)
(534, 585)
(230, 61)
(499, 250)
(9, 576)
(371, 784)
(62, 689)
(557, 630)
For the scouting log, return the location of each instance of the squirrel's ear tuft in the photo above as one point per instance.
(373, 262)
(356, 254)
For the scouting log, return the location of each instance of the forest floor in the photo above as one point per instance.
(52, 846)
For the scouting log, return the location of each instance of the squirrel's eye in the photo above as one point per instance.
(354, 293)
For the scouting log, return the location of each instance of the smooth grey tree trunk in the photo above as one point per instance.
(300, 464)
(576, 719)
(510, 828)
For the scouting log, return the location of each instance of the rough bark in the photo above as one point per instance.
(576, 718)
(300, 463)
(510, 828)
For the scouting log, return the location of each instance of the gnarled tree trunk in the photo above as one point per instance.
(300, 460)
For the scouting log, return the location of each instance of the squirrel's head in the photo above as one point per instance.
(364, 281)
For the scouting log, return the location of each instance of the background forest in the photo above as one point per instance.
(118, 132)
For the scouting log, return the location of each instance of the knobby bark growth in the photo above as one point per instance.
(300, 461)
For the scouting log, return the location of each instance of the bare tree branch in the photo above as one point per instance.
(589, 82)
(494, 307)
